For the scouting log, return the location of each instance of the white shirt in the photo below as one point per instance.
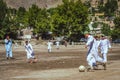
(97, 44)
(28, 48)
(104, 45)
(49, 45)
(8, 44)
(57, 43)
(91, 44)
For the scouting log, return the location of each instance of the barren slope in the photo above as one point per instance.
(28, 3)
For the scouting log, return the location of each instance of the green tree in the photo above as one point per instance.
(110, 7)
(117, 22)
(116, 31)
(32, 15)
(9, 25)
(42, 22)
(22, 18)
(66, 19)
(71, 17)
(101, 6)
(3, 9)
(106, 29)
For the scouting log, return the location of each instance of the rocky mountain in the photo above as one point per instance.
(27, 3)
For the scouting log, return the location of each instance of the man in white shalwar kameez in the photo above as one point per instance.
(97, 44)
(57, 44)
(30, 52)
(104, 45)
(8, 47)
(49, 44)
(91, 50)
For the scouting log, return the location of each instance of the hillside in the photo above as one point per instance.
(27, 3)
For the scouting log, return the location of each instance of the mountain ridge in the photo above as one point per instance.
(28, 3)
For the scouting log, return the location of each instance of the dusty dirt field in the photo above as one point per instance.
(61, 64)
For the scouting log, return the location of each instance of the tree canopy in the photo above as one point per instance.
(69, 18)
(116, 31)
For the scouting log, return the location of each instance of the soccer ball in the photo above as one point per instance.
(81, 68)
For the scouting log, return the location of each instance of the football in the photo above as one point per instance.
(82, 68)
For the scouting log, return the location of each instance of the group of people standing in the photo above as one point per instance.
(94, 44)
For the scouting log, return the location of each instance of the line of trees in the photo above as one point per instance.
(67, 19)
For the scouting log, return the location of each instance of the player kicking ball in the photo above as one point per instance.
(30, 53)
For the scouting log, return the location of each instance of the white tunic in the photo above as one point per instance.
(97, 44)
(91, 50)
(29, 50)
(49, 45)
(104, 45)
(96, 53)
(91, 44)
(8, 45)
(57, 44)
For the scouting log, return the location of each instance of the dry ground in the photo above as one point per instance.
(61, 64)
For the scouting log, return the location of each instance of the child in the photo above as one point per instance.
(57, 44)
(49, 46)
(30, 52)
